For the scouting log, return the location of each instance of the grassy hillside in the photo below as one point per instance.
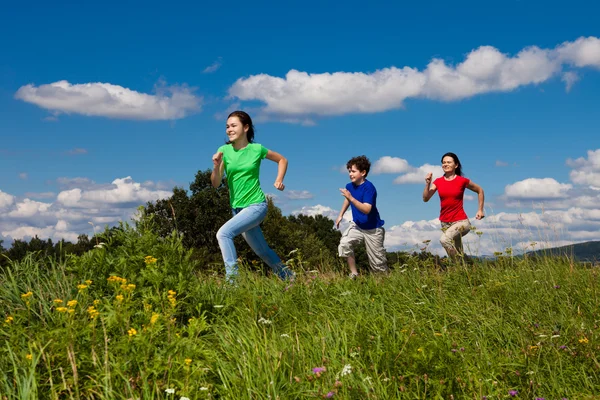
(136, 320)
(588, 251)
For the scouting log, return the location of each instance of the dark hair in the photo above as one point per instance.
(458, 170)
(245, 120)
(361, 163)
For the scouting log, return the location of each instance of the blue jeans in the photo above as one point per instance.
(247, 222)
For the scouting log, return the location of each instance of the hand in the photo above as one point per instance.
(217, 159)
(279, 185)
(479, 215)
(337, 222)
(428, 178)
(346, 194)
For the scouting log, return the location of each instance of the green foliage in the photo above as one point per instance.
(198, 214)
(135, 317)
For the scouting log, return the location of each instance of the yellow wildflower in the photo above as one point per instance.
(119, 297)
(57, 301)
(130, 286)
(583, 340)
(61, 309)
(29, 357)
(88, 282)
(71, 303)
(117, 279)
(71, 310)
(92, 312)
(9, 319)
(26, 295)
(154, 318)
(187, 361)
(96, 302)
(81, 287)
(132, 332)
(149, 260)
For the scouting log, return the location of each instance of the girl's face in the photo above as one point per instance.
(448, 165)
(235, 130)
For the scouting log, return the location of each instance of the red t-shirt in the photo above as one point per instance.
(451, 197)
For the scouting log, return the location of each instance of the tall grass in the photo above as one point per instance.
(147, 324)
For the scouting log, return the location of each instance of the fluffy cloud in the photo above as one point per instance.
(74, 208)
(410, 174)
(6, 200)
(586, 171)
(213, 67)
(298, 194)
(390, 165)
(485, 69)
(533, 188)
(112, 101)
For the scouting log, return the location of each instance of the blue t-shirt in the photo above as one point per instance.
(365, 193)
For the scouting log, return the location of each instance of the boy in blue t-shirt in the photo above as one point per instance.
(361, 196)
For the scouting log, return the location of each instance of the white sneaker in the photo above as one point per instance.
(353, 275)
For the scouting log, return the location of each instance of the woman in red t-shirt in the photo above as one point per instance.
(451, 188)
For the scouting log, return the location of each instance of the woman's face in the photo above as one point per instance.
(234, 129)
(448, 165)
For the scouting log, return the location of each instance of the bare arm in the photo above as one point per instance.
(480, 196)
(216, 175)
(282, 164)
(342, 212)
(430, 188)
(364, 208)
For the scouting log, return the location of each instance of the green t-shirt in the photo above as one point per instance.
(242, 168)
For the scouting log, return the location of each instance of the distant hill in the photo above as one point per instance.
(588, 251)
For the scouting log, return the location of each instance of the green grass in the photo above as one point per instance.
(466, 332)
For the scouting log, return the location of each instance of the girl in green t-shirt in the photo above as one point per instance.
(240, 159)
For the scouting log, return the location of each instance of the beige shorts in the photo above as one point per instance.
(373, 239)
(453, 233)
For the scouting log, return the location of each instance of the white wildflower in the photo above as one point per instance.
(265, 321)
(170, 391)
(347, 370)
(285, 335)
(346, 293)
(203, 388)
(354, 354)
(99, 245)
(218, 306)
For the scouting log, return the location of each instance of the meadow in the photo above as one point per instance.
(138, 317)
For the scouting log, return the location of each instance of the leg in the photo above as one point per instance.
(374, 239)
(242, 221)
(452, 235)
(255, 238)
(350, 238)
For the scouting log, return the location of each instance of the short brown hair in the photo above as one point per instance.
(361, 163)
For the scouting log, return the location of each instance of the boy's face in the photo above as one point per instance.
(356, 176)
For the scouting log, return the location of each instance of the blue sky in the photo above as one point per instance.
(104, 108)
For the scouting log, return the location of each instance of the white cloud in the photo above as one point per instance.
(76, 151)
(569, 78)
(586, 171)
(112, 101)
(390, 165)
(69, 215)
(214, 66)
(500, 163)
(123, 191)
(417, 175)
(6, 200)
(23, 175)
(41, 195)
(533, 188)
(298, 194)
(485, 69)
